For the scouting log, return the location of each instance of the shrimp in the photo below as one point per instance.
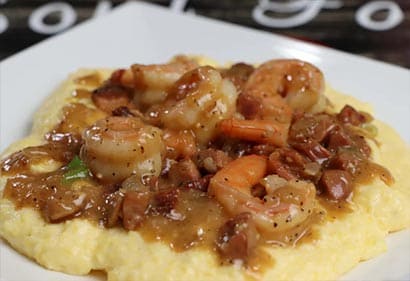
(300, 83)
(268, 121)
(198, 101)
(151, 82)
(261, 131)
(117, 147)
(179, 144)
(286, 204)
(272, 92)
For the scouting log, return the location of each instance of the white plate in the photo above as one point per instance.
(137, 32)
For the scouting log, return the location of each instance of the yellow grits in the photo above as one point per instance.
(78, 246)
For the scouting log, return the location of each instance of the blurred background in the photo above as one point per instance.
(379, 29)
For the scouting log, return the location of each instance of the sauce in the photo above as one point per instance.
(334, 209)
(77, 117)
(90, 80)
(55, 200)
(369, 171)
(193, 222)
(81, 93)
(196, 218)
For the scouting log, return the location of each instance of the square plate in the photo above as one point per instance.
(137, 32)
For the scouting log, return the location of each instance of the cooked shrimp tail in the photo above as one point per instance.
(261, 131)
(280, 208)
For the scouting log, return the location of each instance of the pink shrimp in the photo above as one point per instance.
(261, 131)
(286, 204)
(301, 84)
(118, 147)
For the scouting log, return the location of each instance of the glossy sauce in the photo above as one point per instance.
(193, 222)
(55, 200)
(77, 117)
(90, 80)
(81, 93)
(368, 171)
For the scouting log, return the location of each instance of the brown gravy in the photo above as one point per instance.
(193, 222)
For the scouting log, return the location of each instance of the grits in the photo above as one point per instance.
(78, 246)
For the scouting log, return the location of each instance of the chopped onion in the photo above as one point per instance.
(312, 169)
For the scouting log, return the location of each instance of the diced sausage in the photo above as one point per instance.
(249, 106)
(336, 184)
(286, 163)
(351, 116)
(133, 209)
(234, 148)
(182, 172)
(238, 74)
(237, 238)
(200, 184)
(58, 209)
(338, 138)
(165, 201)
(212, 160)
(116, 77)
(313, 150)
(346, 159)
(361, 144)
(109, 97)
(312, 127)
(113, 208)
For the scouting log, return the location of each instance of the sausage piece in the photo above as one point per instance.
(110, 97)
(237, 237)
(212, 160)
(337, 184)
(182, 172)
(165, 201)
(64, 207)
(286, 163)
(351, 116)
(133, 209)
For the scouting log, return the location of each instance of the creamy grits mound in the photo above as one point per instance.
(79, 246)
